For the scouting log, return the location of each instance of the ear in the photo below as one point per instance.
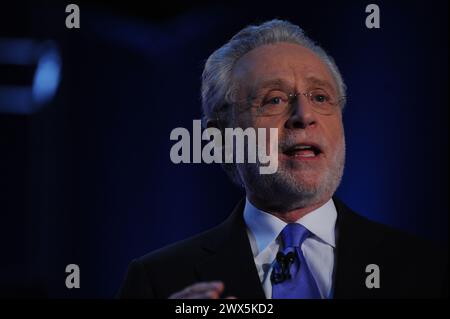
(216, 122)
(212, 123)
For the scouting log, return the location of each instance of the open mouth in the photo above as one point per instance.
(303, 151)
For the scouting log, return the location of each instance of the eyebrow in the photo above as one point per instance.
(319, 82)
(311, 80)
(273, 83)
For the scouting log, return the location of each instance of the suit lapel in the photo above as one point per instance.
(355, 242)
(231, 258)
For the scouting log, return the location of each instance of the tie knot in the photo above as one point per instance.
(294, 235)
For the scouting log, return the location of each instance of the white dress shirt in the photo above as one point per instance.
(319, 249)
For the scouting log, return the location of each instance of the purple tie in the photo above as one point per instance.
(291, 277)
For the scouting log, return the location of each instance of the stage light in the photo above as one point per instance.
(31, 74)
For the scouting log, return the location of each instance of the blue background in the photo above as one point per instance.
(88, 178)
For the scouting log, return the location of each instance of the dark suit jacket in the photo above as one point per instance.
(408, 266)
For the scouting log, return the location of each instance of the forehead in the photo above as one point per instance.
(291, 63)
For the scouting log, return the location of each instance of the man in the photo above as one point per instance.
(290, 237)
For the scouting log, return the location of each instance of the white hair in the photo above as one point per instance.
(217, 88)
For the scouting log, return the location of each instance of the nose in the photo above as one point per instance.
(302, 115)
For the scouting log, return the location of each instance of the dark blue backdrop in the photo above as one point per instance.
(88, 179)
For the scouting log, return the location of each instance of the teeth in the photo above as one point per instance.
(302, 151)
(307, 155)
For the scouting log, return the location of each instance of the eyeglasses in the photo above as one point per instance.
(279, 102)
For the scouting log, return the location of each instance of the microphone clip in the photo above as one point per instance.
(282, 272)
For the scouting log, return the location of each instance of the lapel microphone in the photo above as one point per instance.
(284, 261)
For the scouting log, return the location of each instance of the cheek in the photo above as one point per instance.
(334, 133)
(267, 123)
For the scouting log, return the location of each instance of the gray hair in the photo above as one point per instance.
(217, 88)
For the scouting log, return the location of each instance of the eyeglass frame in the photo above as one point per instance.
(291, 97)
(340, 101)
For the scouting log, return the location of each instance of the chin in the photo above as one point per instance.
(307, 178)
(307, 185)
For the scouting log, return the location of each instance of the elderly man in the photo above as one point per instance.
(290, 237)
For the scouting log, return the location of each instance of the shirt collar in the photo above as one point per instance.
(266, 227)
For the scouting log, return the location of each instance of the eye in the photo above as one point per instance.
(320, 97)
(275, 100)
